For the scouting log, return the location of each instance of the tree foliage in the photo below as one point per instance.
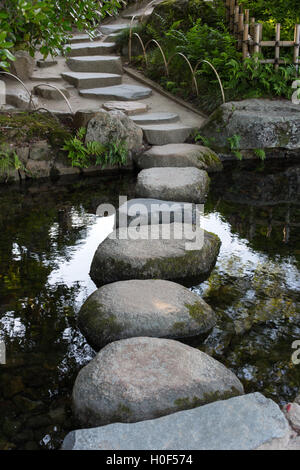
(46, 25)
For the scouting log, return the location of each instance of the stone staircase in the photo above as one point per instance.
(97, 73)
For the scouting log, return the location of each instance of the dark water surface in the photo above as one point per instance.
(48, 236)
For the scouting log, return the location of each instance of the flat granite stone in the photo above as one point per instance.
(113, 28)
(89, 48)
(154, 211)
(144, 378)
(162, 134)
(121, 92)
(153, 252)
(156, 118)
(128, 107)
(49, 93)
(89, 80)
(187, 184)
(179, 155)
(245, 422)
(96, 63)
(155, 308)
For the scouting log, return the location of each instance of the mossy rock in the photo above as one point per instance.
(121, 256)
(145, 378)
(153, 308)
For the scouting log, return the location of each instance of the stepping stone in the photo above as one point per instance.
(180, 155)
(154, 211)
(97, 63)
(162, 134)
(90, 48)
(131, 254)
(84, 38)
(174, 184)
(50, 93)
(89, 80)
(153, 308)
(111, 37)
(129, 107)
(120, 92)
(155, 118)
(43, 64)
(39, 77)
(246, 422)
(113, 28)
(144, 378)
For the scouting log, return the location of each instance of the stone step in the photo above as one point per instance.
(113, 28)
(129, 253)
(90, 48)
(50, 93)
(84, 38)
(179, 155)
(173, 184)
(162, 134)
(155, 118)
(147, 315)
(96, 63)
(127, 107)
(111, 37)
(120, 92)
(85, 80)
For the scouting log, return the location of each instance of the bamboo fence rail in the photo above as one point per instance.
(249, 35)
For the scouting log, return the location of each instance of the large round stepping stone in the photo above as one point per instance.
(174, 184)
(124, 256)
(179, 155)
(157, 308)
(143, 378)
(162, 134)
(246, 422)
(154, 211)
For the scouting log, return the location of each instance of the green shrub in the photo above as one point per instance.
(46, 25)
(84, 155)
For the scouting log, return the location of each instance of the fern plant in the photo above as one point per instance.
(84, 155)
(9, 162)
(234, 143)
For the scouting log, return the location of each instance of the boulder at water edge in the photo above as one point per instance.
(254, 124)
(143, 378)
(128, 254)
(115, 127)
(156, 308)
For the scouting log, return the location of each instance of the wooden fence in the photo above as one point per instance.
(249, 35)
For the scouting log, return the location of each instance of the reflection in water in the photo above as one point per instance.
(47, 242)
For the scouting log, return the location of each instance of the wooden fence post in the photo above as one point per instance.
(232, 7)
(236, 20)
(241, 30)
(227, 6)
(256, 39)
(297, 46)
(245, 41)
(277, 46)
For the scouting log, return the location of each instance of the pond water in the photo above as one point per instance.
(48, 236)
